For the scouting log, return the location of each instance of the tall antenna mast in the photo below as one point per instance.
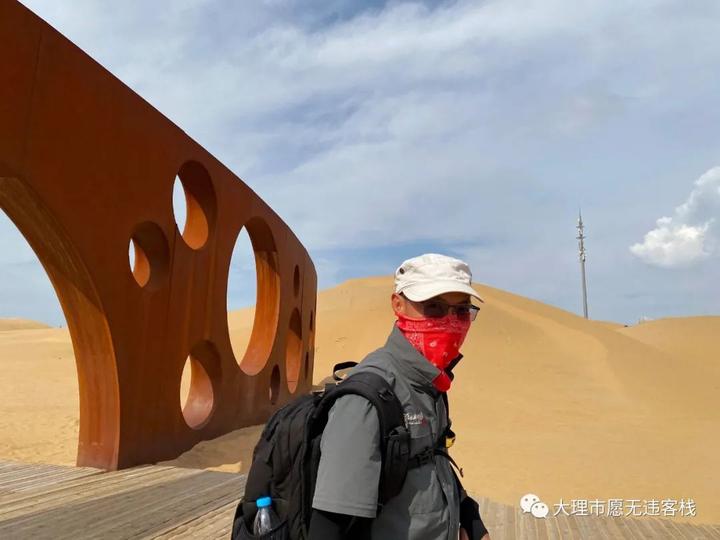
(581, 248)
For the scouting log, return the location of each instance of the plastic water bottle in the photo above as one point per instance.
(265, 519)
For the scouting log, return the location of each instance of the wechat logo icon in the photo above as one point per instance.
(531, 503)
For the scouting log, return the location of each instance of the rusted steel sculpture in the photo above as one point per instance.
(87, 168)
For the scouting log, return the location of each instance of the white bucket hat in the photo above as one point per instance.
(431, 274)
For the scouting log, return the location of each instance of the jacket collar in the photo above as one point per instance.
(412, 364)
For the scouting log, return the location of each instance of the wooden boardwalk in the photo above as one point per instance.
(55, 502)
(49, 501)
(511, 523)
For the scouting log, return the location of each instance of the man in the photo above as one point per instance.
(432, 303)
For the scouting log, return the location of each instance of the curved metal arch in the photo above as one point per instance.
(92, 344)
(86, 168)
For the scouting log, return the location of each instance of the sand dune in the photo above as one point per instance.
(39, 409)
(544, 401)
(20, 324)
(686, 338)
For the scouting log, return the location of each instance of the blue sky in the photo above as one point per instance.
(472, 128)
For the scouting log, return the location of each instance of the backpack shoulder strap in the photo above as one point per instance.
(448, 437)
(341, 367)
(376, 390)
(394, 436)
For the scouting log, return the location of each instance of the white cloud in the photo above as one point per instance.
(690, 234)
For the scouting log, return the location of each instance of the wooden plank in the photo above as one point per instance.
(690, 531)
(697, 531)
(584, 529)
(638, 528)
(488, 516)
(661, 527)
(214, 524)
(7, 466)
(653, 527)
(664, 528)
(551, 527)
(511, 517)
(564, 528)
(80, 473)
(134, 505)
(624, 528)
(132, 513)
(710, 531)
(10, 466)
(500, 526)
(10, 476)
(541, 528)
(47, 466)
(18, 478)
(204, 515)
(574, 527)
(681, 530)
(611, 527)
(594, 527)
(196, 505)
(483, 502)
(49, 478)
(61, 479)
(83, 481)
(196, 502)
(519, 525)
(106, 484)
(516, 525)
(60, 491)
(525, 527)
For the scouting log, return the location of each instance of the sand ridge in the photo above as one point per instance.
(20, 324)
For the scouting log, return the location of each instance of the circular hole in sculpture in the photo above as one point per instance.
(253, 296)
(148, 255)
(296, 281)
(194, 204)
(293, 351)
(274, 389)
(131, 254)
(185, 382)
(241, 294)
(200, 374)
(179, 205)
(139, 264)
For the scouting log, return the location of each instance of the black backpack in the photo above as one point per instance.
(286, 458)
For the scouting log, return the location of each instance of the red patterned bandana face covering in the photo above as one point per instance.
(437, 339)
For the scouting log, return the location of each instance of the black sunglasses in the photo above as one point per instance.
(435, 309)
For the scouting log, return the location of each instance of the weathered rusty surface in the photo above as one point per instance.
(86, 168)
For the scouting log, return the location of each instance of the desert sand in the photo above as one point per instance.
(39, 409)
(20, 324)
(543, 401)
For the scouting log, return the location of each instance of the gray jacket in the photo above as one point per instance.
(427, 507)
